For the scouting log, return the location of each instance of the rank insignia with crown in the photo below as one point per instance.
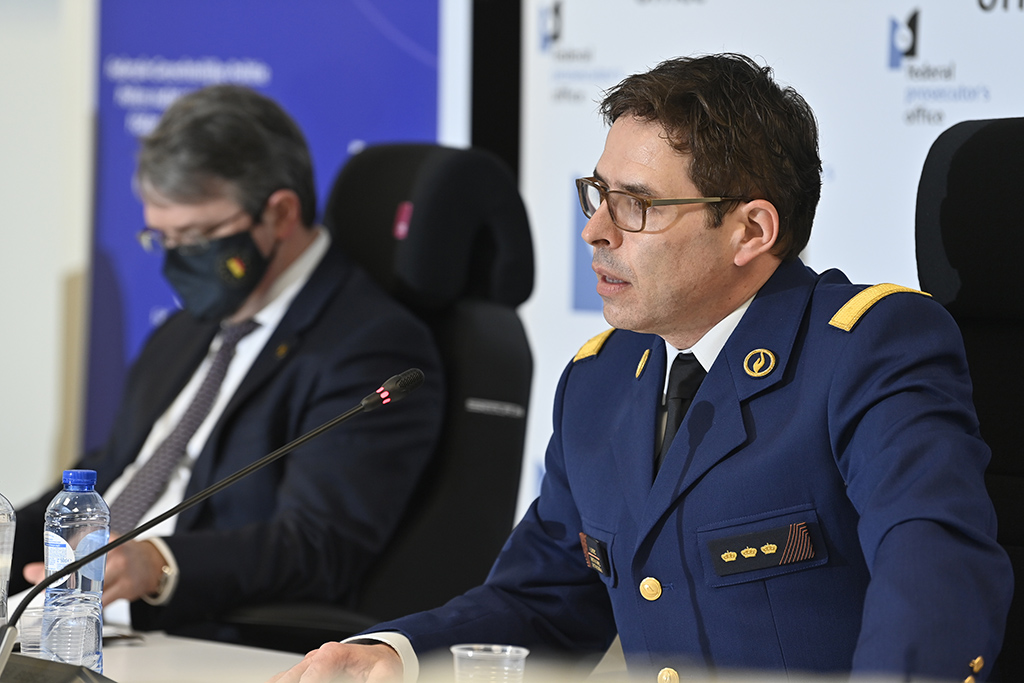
(766, 548)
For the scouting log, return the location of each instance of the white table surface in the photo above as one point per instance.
(159, 658)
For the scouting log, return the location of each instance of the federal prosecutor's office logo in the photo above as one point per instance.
(934, 92)
(550, 25)
(902, 39)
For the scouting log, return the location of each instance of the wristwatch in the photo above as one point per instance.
(168, 575)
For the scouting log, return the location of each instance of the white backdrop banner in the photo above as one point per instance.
(884, 78)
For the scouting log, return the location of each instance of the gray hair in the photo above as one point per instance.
(227, 140)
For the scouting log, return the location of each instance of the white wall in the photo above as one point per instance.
(47, 50)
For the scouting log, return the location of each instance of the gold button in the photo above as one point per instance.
(969, 679)
(977, 664)
(668, 675)
(650, 588)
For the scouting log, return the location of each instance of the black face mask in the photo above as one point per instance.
(214, 282)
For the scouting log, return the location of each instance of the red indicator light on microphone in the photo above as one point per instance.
(384, 394)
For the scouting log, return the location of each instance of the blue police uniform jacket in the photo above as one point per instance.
(822, 507)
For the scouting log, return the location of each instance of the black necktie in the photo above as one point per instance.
(683, 381)
(149, 481)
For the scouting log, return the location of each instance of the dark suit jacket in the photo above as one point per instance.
(827, 515)
(308, 525)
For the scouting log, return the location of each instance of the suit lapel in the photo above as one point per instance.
(713, 427)
(305, 309)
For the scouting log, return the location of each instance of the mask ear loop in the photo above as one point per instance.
(257, 220)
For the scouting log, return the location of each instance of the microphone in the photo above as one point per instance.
(30, 670)
(395, 389)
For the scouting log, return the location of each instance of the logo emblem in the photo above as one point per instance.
(759, 362)
(550, 25)
(236, 267)
(902, 40)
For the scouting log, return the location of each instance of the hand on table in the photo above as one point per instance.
(133, 570)
(377, 663)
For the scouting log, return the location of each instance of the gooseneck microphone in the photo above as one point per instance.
(42, 671)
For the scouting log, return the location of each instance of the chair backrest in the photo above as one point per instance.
(967, 219)
(445, 231)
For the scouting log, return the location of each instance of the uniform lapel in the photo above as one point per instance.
(633, 447)
(713, 427)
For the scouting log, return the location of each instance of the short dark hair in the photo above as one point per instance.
(227, 140)
(747, 136)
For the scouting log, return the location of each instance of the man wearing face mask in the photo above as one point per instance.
(279, 334)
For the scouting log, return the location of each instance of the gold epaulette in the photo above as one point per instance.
(593, 345)
(847, 316)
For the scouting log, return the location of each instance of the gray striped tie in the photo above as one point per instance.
(151, 479)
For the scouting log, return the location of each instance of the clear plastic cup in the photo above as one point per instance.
(482, 663)
(30, 631)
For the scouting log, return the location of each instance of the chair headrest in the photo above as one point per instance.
(968, 219)
(434, 224)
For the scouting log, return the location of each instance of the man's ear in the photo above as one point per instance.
(283, 212)
(757, 229)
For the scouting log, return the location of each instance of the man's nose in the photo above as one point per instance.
(600, 230)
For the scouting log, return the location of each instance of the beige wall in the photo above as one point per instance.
(47, 54)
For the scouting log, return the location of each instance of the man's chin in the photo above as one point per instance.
(614, 317)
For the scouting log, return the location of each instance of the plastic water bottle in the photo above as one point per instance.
(77, 523)
(6, 549)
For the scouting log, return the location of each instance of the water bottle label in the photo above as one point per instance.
(57, 554)
(90, 543)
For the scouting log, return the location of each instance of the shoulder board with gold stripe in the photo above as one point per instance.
(847, 316)
(592, 347)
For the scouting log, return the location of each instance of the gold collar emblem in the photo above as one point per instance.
(759, 362)
(643, 363)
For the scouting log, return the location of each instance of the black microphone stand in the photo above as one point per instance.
(392, 390)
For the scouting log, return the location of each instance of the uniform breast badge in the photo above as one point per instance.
(595, 552)
(760, 549)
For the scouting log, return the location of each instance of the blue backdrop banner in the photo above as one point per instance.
(351, 73)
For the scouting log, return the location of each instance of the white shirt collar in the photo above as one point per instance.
(708, 347)
(287, 285)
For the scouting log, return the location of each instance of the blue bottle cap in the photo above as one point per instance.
(80, 479)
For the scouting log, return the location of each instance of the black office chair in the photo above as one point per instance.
(445, 231)
(968, 219)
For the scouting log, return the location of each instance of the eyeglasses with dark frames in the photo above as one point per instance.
(195, 241)
(628, 211)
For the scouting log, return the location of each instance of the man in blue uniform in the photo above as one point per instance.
(821, 506)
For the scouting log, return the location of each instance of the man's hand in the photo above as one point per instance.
(345, 662)
(133, 570)
(34, 572)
